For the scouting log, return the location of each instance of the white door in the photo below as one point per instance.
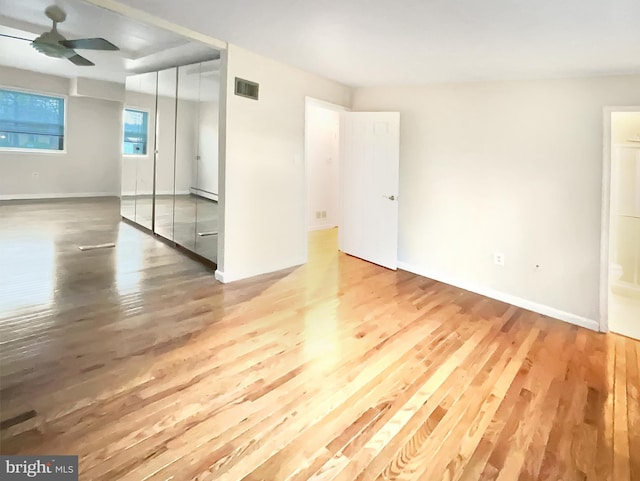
(369, 166)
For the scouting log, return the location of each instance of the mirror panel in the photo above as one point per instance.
(138, 141)
(128, 185)
(129, 166)
(207, 161)
(165, 153)
(186, 152)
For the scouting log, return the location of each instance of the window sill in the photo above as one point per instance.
(32, 151)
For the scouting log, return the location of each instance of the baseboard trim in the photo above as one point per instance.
(203, 193)
(219, 275)
(226, 278)
(160, 192)
(58, 196)
(504, 297)
(321, 227)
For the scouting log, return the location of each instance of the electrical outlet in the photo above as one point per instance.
(324, 214)
(318, 214)
(498, 258)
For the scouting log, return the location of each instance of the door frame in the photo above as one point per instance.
(605, 213)
(329, 106)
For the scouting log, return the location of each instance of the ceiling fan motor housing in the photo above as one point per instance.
(48, 44)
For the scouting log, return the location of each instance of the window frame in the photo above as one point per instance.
(55, 95)
(138, 109)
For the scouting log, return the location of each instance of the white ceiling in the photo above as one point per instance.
(143, 47)
(372, 42)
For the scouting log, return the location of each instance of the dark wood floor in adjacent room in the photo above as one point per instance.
(136, 360)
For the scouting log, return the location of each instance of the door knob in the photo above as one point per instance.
(390, 197)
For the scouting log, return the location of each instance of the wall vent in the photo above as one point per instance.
(246, 88)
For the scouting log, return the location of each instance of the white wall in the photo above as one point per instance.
(91, 163)
(263, 173)
(513, 167)
(323, 169)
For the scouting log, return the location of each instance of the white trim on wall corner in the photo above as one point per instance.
(58, 196)
(504, 297)
(219, 275)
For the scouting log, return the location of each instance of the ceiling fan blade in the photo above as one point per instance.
(80, 60)
(89, 44)
(17, 38)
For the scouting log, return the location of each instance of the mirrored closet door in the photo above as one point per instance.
(186, 153)
(165, 153)
(170, 161)
(206, 179)
(138, 148)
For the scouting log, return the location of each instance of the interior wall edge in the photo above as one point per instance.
(543, 309)
(272, 165)
(222, 159)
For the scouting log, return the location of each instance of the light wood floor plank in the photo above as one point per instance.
(633, 406)
(621, 465)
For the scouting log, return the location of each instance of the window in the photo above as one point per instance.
(31, 121)
(136, 123)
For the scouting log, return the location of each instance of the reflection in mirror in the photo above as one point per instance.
(186, 152)
(128, 187)
(138, 142)
(165, 152)
(206, 180)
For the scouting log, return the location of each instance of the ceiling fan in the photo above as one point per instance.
(53, 44)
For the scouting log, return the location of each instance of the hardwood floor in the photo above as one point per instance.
(137, 361)
(178, 218)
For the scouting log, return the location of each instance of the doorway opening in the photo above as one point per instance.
(322, 154)
(620, 272)
(352, 182)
